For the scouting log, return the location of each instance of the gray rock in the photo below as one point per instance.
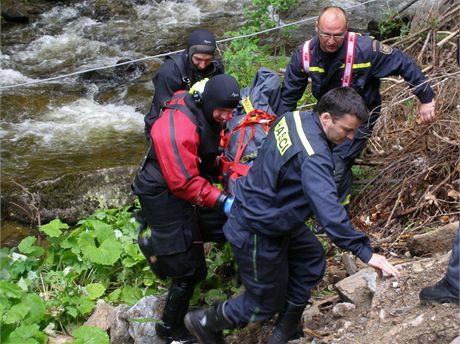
(144, 332)
(360, 17)
(359, 288)
(70, 197)
(456, 340)
(342, 309)
(119, 329)
(310, 314)
(102, 317)
(437, 241)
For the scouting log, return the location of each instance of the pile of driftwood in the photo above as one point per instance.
(413, 169)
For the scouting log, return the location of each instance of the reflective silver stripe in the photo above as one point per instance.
(306, 56)
(349, 59)
(254, 257)
(301, 133)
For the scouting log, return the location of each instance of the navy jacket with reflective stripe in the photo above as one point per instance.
(372, 61)
(291, 179)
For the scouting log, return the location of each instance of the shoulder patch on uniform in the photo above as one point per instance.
(283, 141)
(385, 49)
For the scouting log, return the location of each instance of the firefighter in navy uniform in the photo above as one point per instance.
(174, 186)
(324, 60)
(182, 70)
(280, 260)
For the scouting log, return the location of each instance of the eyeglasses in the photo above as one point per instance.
(327, 36)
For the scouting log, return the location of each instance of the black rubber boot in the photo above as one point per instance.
(172, 328)
(288, 325)
(207, 324)
(441, 292)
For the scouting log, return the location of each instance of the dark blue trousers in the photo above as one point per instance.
(453, 269)
(273, 269)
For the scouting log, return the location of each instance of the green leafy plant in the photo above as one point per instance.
(61, 282)
(393, 25)
(220, 282)
(243, 57)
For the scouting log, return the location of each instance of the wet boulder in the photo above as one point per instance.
(70, 197)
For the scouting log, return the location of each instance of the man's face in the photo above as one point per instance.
(201, 60)
(331, 29)
(220, 115)
(337, 130)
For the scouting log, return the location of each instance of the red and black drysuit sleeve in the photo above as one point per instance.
(176, 141)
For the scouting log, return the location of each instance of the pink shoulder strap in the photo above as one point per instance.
(306, 56)
(349, 59)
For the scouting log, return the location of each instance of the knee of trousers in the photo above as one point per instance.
(319, 264)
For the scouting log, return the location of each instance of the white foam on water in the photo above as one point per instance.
(168, 14)
(58, 14)
(12, 77)
(77, 124)
(55, 50)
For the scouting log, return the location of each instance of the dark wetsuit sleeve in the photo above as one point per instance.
(166, 81)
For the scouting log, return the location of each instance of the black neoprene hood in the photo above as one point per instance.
(201, 41)
(221, 91)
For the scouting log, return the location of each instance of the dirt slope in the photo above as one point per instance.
(395, 316)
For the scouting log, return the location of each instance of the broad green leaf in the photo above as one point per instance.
(5, 304)
(114, 295)
(54, 228)
(26, 246)
(10, 290)
(71, 240)
(95, 290)
(23, 333)
(85, 305)
(16, 340)
(72, 311)
(129, 262)
(103, 231)
(90, 335)
(16, 313)
(37, 308)
(130, 295)
(107, 253)
(148, 281)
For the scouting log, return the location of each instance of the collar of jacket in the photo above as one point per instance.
(322, 134)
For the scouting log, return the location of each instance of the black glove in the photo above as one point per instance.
(224, 202)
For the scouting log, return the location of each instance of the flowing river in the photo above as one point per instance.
(93, 120)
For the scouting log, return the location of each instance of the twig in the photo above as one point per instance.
(448, 38)
(449, 55)
(396, 203)
(425, 44)
(434, 59)
(368, 162)
(35, 216)
(412, 44)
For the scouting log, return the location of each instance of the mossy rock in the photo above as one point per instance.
(70, 197)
